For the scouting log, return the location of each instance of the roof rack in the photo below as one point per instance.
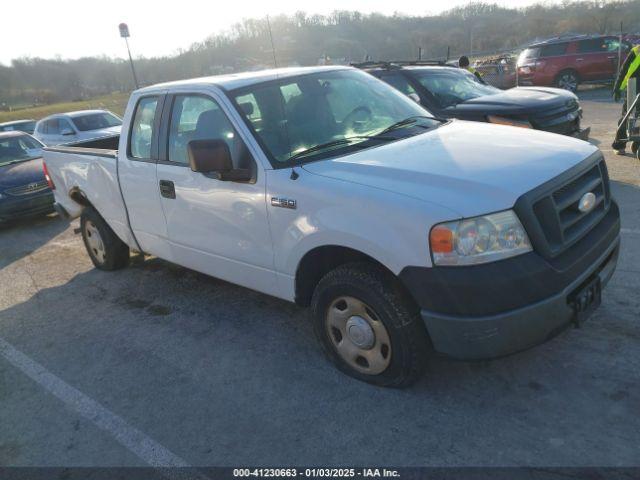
(567, 37)
(391, 64)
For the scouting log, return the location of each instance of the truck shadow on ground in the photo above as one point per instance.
(139, 338)
(19, 238)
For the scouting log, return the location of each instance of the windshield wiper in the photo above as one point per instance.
(410, 121)
(337, 143)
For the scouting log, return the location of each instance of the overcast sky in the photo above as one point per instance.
(76, 28)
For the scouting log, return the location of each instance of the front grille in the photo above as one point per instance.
(557, 212)
(28, 189)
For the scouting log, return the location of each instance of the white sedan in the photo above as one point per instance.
(77, 126)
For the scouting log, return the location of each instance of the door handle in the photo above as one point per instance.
(579, 59)
(167, 189)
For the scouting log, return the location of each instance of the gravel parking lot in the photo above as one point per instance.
(156, 364)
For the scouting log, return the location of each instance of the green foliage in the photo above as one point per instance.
(116, 103)
(303, 39)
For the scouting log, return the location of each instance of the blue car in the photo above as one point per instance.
(23, 187)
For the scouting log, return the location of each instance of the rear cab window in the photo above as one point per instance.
(142, 128)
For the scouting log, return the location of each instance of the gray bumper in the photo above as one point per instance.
(515, 330)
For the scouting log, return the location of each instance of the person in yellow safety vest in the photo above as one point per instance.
(629, 69)
(463, 62)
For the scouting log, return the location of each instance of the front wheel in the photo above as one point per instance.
(106, 250)
(368, 327)
(568, 80)
(635, 149)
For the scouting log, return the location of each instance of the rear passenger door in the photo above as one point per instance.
(216, 227)
(593, 60)
(137, 157)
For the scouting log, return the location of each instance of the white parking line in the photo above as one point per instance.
(131, 438)
(633, 231)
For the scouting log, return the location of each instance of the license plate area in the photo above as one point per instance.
(586, 300)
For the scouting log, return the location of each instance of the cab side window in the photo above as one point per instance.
(142, 128)
(197, 117)
(399, 82)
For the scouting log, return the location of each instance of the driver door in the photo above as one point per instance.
(217, 227)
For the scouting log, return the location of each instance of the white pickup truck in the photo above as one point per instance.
(326, 187)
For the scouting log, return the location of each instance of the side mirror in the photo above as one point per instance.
(66, 132)
(214, 157)
(414, 96)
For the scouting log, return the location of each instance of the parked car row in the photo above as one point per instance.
(77, 126)
(24, 190)
(450, 92)
(566, 62)
(26, 126)
(23, 186)
(329, 188)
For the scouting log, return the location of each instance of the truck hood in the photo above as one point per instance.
(469, 167)
(520, 100)
(21, 173)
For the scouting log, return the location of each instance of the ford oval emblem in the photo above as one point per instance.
(587, 202)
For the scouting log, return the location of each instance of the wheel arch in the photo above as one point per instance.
(570, 70)
(77, 195)
(319, 261)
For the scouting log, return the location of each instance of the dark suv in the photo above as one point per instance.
(451, 92)
(567, 62)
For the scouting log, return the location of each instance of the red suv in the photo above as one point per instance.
(567, 62)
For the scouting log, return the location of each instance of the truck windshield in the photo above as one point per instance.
(451, 86)
(309, 117)
(96, 121)
(18, 148)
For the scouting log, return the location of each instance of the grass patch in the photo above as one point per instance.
(115, 102)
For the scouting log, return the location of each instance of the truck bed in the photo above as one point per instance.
(86, 173)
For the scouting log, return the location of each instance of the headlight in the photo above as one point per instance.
(479, 240)
(508, 121)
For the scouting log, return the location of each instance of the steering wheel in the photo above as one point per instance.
(352, 119)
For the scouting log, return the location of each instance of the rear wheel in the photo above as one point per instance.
(568, 80)
(635, 149)
(106, 250)
(368, 327)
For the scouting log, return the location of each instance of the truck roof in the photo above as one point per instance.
(237, 80)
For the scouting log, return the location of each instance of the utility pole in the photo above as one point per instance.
(124, 33)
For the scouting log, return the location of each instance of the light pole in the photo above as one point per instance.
(124, 33)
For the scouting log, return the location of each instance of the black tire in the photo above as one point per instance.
(568, 80)
(635, 150)
(115, 253)
(382, 292)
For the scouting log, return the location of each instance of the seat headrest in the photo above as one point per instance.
(210, 122)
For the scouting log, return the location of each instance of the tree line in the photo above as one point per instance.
(303, 39)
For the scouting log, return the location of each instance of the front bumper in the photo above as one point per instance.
(582, 134)
(26, 205)
(496, 309)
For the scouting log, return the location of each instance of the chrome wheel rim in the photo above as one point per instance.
(358, 335)
(568, 82)
(94, 241)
